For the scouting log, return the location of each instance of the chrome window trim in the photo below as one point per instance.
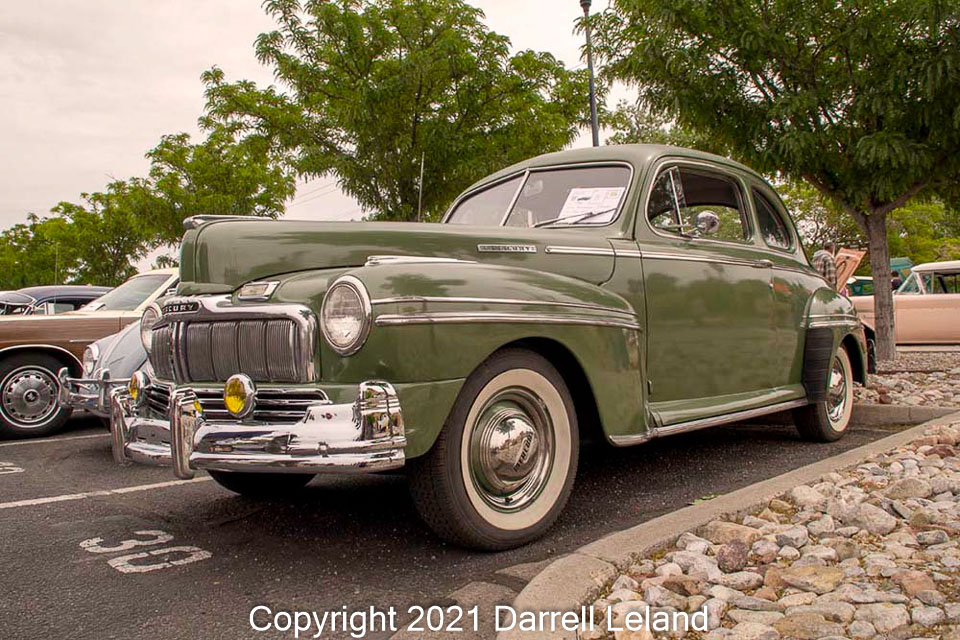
(472, 300)
(482, 317)
(578, 251)
(749, 241)
(791, 228)
(525, 173)
(219, 307)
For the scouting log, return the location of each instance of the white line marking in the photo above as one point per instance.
(103, 492)
(45, 440)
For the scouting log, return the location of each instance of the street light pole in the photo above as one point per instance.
(594, 125)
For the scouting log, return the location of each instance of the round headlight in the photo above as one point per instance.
(345, 315)
(239, 395)
(90, 355)
(147, 320)
(138, 387)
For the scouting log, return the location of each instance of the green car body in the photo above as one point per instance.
(654, 331)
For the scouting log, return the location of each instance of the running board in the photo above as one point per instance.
(704, 423)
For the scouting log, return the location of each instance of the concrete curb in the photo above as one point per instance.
(881, 415)
(577, 578)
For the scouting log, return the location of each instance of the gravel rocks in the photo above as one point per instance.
(868, 553)
(915, 378)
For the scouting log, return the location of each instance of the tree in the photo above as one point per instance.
(223, 175)
(859, 98)
(370, 88)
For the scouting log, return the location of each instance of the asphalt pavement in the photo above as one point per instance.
(72, 563)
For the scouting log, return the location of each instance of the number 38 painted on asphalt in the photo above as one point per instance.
(163, 558)
(9, 467)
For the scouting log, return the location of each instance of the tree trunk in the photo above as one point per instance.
(876, 227)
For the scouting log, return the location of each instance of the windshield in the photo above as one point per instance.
(12, 302)
(560, 196)
(130, 294)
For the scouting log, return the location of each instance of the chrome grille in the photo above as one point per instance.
(267, 350)
(274, 406)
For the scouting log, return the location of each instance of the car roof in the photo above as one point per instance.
(947, 265)
(638, 155)
(46, 291)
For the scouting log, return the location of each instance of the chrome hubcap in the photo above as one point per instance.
(29, 396)
(837, 392)
(510, 449)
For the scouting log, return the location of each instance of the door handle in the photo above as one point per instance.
(763, 264)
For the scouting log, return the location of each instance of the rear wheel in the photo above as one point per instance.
(261, 485)
(503, 467)
(28, 396)
(827, 420)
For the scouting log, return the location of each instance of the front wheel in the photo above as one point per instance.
(28, 396)
(828, 419)
(261, 485)
(503, 467)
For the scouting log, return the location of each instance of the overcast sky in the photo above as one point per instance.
(88, 86)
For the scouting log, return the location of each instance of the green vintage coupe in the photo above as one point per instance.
(626, 292)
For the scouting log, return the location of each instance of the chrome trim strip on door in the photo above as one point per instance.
(703, 423)
(470, 300)
(579, 251)
(683, 257)
(481, 317)
(627, 253)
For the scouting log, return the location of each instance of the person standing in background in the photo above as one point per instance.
(895, 280)
(825, 263)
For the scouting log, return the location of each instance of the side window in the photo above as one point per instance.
(773, 228)
(488, 207)
(693, 191)
(579, 196)
(911, 286)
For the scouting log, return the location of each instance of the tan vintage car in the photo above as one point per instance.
(34, 348)
(927, 305)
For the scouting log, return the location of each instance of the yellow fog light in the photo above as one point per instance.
(239, 395)
(138, 387)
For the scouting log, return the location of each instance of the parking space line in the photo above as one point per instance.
(45, 440)
(103, 492)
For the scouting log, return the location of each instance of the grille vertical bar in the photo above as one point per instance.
(199, 345)
(162, 348)
(282, 338)
(224, 347)
(253, 356)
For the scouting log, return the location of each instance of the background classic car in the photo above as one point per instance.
(34, 348)
(48, 300)
(627, 292)
(926, 305)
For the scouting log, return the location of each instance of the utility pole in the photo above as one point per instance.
(594, 125)
(423, 161)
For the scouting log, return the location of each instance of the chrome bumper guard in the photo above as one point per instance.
(90, 394)
(362, 437)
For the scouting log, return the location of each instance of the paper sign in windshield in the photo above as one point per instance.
(593, 204)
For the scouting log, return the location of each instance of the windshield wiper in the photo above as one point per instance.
(579, 217)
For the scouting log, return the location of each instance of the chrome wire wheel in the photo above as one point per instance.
(839, 402)
(515, 449)
(28, 397)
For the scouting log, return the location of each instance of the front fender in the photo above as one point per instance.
(437, 322)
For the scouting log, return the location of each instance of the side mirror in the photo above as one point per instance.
(708, 223)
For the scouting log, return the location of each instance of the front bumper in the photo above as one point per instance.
(89, 394)
(361, 437)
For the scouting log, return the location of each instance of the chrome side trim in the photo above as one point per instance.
(469, 300)
(628, 253)
(833, 323)
(373, 261)
(483, 317)
(832, 316)
(579, 251)
(507, 248)
(657, 255)
(703, 423)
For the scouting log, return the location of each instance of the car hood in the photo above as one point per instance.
(220, 256)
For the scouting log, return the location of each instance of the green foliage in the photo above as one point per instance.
(223, 175)
(369, 87)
